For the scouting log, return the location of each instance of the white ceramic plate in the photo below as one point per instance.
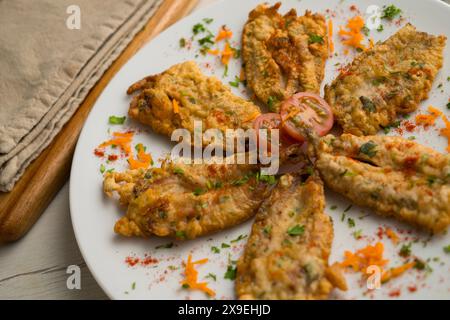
(93, 215)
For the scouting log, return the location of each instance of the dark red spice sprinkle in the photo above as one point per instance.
(99, 153)
(112, 157)
(132, 261)
(412, 288)
(394, 293)
(380, 232)
(148, 260)
(409, 126)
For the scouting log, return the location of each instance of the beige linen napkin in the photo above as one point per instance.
(47, 69)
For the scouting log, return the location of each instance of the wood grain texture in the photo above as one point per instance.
(20, 208)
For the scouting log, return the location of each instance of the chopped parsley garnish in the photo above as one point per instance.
(368, 149)
(405, 250)
(333, 207)
(185, 286)
(214, 185)
(225, 245)
(182, 42)
(206, 40)
(380, 28)
(447, 249)
(240, 181)
(225, 71)
(365, 30)
(208, 20)
(110, 170)
(165, 246)
(102, 168)
(390, 12)
(140, 147)
(270, 179)
(395, 124)
(419, 264)
(215, 249)
(296, 230)
(368, 104)
(180, 234)
(116, 120)
(271, 101)
(212, 276)
(448, 105)
(133, 286)
(348, 208)
(198, 191)
(242, 236)
(178, 171)
(267, 230)
(230, 274)
(357, 234)
(196, 29)
(351, 223)
(235, 83)
(315, 38)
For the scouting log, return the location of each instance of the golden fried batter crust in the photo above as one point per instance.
(283, 54)
(390, 79)
(281, 262)
(199, 98)
(186, 201)
(392, 175)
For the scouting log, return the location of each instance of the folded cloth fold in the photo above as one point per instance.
(48, 67)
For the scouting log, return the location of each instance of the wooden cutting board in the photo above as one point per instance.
(20, 208)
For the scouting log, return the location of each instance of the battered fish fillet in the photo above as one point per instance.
(390, 79)
(196, 96)
(394, 176)
(283, 54)
(186, 201)
(286, 256)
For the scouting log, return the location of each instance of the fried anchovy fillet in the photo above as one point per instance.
(392, 175)
(286, 256)
(186, 200)
(196, 96)
(283, 54)
(387, 80)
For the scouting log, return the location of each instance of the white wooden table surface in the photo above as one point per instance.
(35, 267)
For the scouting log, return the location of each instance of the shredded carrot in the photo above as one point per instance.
(371, 43)
(392, 235)
(144, 160)
(290, 115)
(123, 141)
(395, 272)
(330, 36)
(353, 36)
(251, 117)
(445, 132)
(428, 120)
(176, 106)
(365, 257)
(227, 53)
(214, 52)
(191, 277)
(224, 33)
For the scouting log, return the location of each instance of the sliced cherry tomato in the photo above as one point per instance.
(271, 121)
(306, 110)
